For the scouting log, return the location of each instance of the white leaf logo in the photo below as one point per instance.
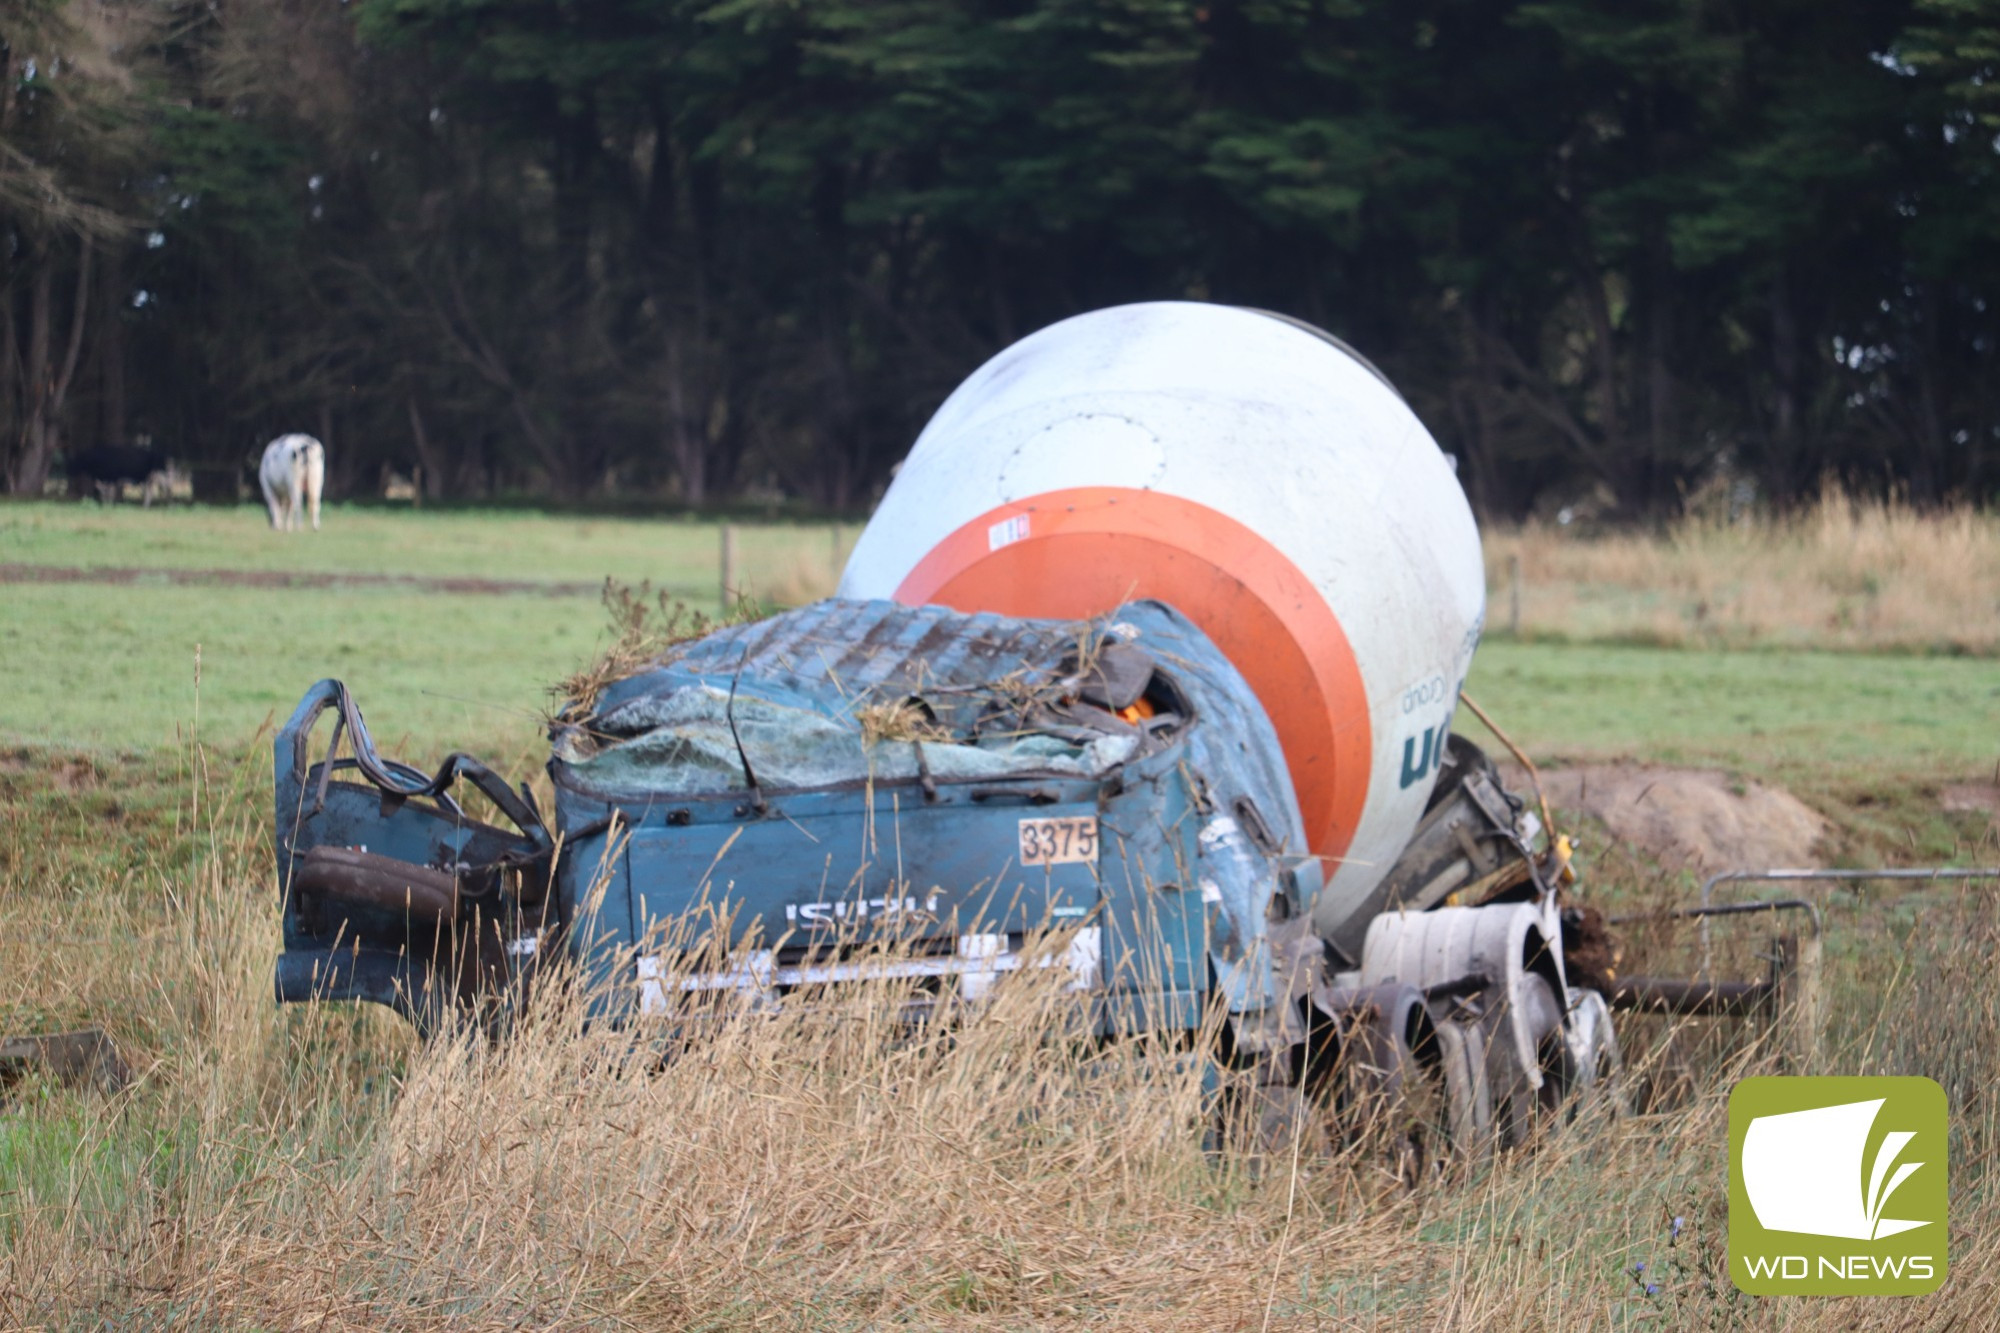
(1803, 1171)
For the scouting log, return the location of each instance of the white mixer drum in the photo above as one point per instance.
(1256, 474)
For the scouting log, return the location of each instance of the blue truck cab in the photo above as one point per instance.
(852, 789)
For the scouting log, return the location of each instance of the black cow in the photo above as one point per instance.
(105, 467)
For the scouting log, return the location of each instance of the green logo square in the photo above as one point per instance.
(1837, 1186)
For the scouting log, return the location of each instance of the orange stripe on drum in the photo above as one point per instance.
(1075, 553)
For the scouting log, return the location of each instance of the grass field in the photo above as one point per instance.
(1784, 713)
(101, 666)
(113, 665)
(681, 555)
(316, 1168)
(108, 665)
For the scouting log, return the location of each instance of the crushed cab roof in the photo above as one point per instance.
(803, 694)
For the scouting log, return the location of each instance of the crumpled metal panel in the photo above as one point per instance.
(1233, 756)
(837, 652)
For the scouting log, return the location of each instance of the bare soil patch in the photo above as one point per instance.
(273, 578)
(1972, 798)
(63, 772)
(1688, 818)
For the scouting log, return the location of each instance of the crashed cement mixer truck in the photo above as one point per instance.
(1144, 671)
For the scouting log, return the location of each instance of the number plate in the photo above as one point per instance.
(1050, 842)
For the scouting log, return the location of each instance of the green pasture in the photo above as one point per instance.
(113, 666)
(1793, 714)
(680, 554)
(96, 666)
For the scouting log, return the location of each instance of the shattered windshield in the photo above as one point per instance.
(961, 704)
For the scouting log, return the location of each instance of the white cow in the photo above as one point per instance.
(293, 470)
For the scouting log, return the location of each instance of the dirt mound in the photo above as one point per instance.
(1698, 819)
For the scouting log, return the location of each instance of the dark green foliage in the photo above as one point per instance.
(703, 249)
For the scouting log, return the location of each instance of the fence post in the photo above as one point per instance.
(728, 568)
(1514, 595)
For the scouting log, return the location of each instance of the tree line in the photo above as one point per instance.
(589, 248)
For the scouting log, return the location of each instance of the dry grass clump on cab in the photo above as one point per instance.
(645, 627)
(1845, 572)
(905, 719)
(1021, 690)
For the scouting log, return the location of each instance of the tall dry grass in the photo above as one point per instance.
(826, 1167)
(1846, 572)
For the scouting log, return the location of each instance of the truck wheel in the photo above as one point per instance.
(1416, 1084)
(1460, 1056)
(1260, 1109)
(1520, 1108)
(1594, 1054)
(1443, 1113)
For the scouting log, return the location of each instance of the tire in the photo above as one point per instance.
(1520, 1108)
(1461, 1066)
(1418, 1088)
(1594, 1054)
